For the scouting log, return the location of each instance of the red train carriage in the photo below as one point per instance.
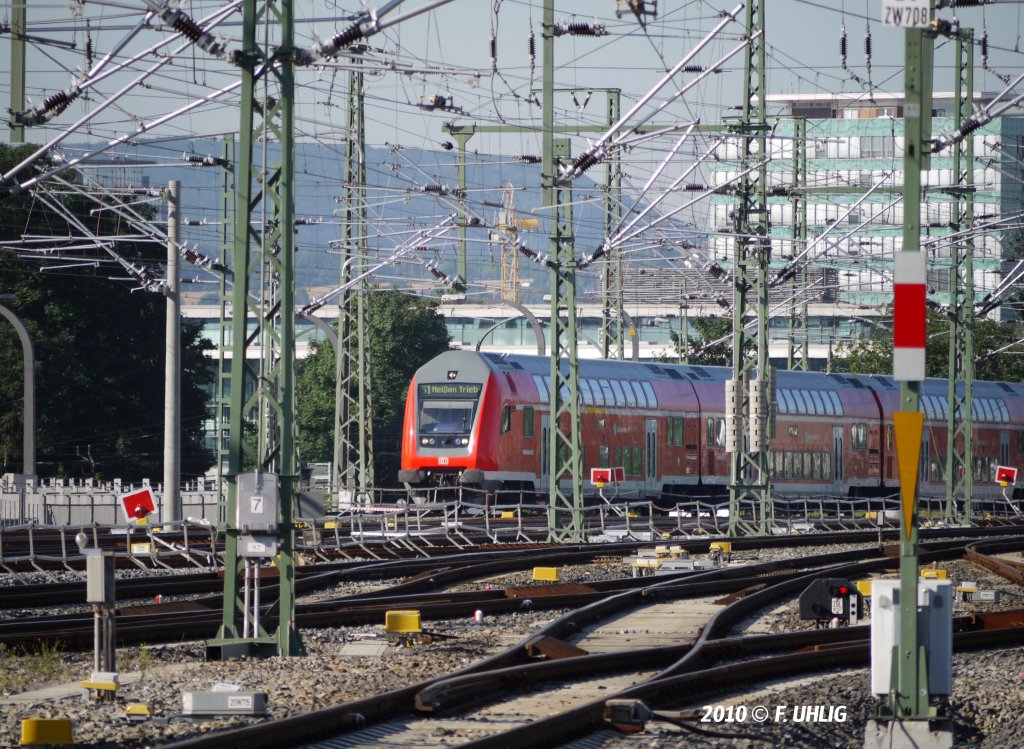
(482, 420)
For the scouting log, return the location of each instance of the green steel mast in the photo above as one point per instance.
(565, 455)
(353, 416)
(746, 394)
(799, 350)
(960, 416)
(263, 316)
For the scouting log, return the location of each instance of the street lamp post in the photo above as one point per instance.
(29, 363)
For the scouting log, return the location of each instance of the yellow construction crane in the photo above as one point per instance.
(510, 226)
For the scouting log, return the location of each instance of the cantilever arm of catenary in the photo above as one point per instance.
(784, 273)
(988, 113)
(597, 150)
(109, 101)
(665, 216)
(424, 236)
(369, 24)
(129, 136)
(616, 235)
(146, 280)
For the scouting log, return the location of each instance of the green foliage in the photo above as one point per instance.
(405, 332)
(874, 355)
(714, 344)
(99, 352)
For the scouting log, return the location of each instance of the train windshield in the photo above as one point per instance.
(446, 416)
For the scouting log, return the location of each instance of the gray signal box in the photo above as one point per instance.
(99, 577)
(258, 502)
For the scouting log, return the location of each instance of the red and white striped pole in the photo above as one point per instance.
(908, 326)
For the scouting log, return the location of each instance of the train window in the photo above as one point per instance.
(859, 436)
(602, 456)
(595, 389)
(542, 388)
(627, 389)
(652, 399)
(787, 398)
(716, 432)
(826, 466)
(506, 419)
(787, 470)
(830, 408)
(641, 395)
(819, 406)
(816, 466)
(983, 412)
(1020, 443)
(806, 472)
(793, 431)
(631, 459)
(675, 430)
(802, 405)
(606, 390)
(926, 404)
(527, 421)
(836, 402)
(620, 398)
(1004, 412)
(588, 397)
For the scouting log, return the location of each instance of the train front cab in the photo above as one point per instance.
(447, 407)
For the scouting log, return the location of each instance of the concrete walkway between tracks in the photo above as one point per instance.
(60, 691)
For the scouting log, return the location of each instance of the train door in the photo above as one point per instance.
(1004, 448)
(837, 452)
(651, 456)
(545, 438)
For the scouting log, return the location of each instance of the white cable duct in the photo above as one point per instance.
(113, 98)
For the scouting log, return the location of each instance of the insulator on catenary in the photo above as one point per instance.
(50, 108)
(203, 160)
(191, 30)
(695, 187)
(583, 162)
(693, 68)
(842, 45)
(867, 46)
(533, 49)
(494, 52)
(575, 28)
(984, 48)
(345, 38)
(201, 260)
(530, 159)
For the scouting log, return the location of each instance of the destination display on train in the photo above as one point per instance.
(450, 389)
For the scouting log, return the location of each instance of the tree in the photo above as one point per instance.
(405, 332)
(714, 343)
(874, 355)
(99, 353)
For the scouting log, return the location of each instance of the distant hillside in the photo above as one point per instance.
(398, 206)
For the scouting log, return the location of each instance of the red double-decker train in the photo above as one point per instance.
(482, 420)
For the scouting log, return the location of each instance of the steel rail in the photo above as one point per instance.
(492, 676)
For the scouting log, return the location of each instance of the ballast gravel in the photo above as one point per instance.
(345, 664)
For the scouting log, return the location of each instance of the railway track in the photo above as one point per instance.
(546, 690)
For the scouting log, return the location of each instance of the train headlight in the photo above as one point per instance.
(424, 441)
(465, 440)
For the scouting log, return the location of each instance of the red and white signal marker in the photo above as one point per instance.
(909, 320)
